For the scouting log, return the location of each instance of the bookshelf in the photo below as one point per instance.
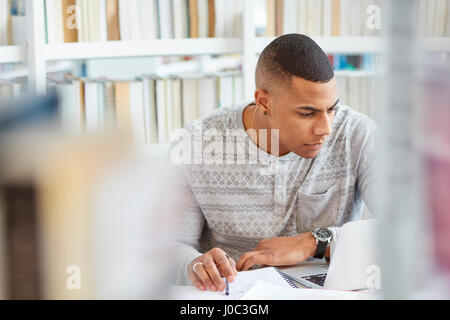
(36, 53)
(148, 48)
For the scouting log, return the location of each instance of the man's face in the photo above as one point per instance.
(303, 114)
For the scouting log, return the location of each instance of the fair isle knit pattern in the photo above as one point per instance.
(234, 206)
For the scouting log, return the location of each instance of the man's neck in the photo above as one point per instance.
(257, 121)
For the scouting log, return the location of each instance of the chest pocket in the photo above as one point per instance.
(317, 210)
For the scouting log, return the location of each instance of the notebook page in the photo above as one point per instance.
(242, 283)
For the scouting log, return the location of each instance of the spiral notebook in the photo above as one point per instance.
(243, 282)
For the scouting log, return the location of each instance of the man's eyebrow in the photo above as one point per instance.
(309, 108)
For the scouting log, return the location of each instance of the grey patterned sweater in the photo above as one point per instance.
(235, 204)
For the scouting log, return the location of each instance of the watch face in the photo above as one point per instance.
(322, 234)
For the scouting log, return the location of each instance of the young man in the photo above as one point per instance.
(312, 172)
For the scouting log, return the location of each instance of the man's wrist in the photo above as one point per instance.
(308, 243)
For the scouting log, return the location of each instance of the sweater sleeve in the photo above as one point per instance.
(188, 228)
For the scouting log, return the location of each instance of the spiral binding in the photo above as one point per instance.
(286, 278)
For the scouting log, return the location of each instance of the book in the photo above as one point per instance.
(211, 18)
(342, 88)
(238, 89)
(112, 20)
(225, 85)
(124, 23)
(176, 118)
(109, 106)
(180, 19)
(344, 25)
(219, 26)
(193, 19)
(203, 28)
(236, 19)
(137, 115)
(165, 19)
(190, 99)
(355, 18)
(102, 20)
(336, 9)
(327, 18)
(5, 23)
(318, 16)
(364, 94)
(279, 17)
(207, 93)
(134, 17)
(96, 21)
(289, 16)
(311, 18)
(150, 109)
(80, 103)
(58, 21)
(354, 92)
(271, 18)
(169, 107)
(122, 97)
(301, 16)
(228, 15)
(69, 21)
(161, 110)
(149, 19)
(92, 107)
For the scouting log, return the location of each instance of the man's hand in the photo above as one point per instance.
(279, 251)
(210, 268)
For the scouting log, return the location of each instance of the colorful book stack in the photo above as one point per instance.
(129, 20)
(365, 62)
(151, 107)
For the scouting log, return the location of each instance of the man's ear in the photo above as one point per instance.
(262, 100)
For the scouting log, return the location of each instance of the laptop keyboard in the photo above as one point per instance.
(318, 279)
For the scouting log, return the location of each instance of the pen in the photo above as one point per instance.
(227, 290)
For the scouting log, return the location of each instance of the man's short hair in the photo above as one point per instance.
(293, 55)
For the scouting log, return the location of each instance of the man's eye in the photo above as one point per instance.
(306, 115)
(332, 109)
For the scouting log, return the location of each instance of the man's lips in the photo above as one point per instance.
(314, 146)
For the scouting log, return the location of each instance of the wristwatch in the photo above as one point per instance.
(323, 239)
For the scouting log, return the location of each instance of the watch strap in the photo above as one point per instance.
(321, 249)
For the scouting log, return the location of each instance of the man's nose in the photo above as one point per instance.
(323, 125)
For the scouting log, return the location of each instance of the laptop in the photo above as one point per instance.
(350, 268)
